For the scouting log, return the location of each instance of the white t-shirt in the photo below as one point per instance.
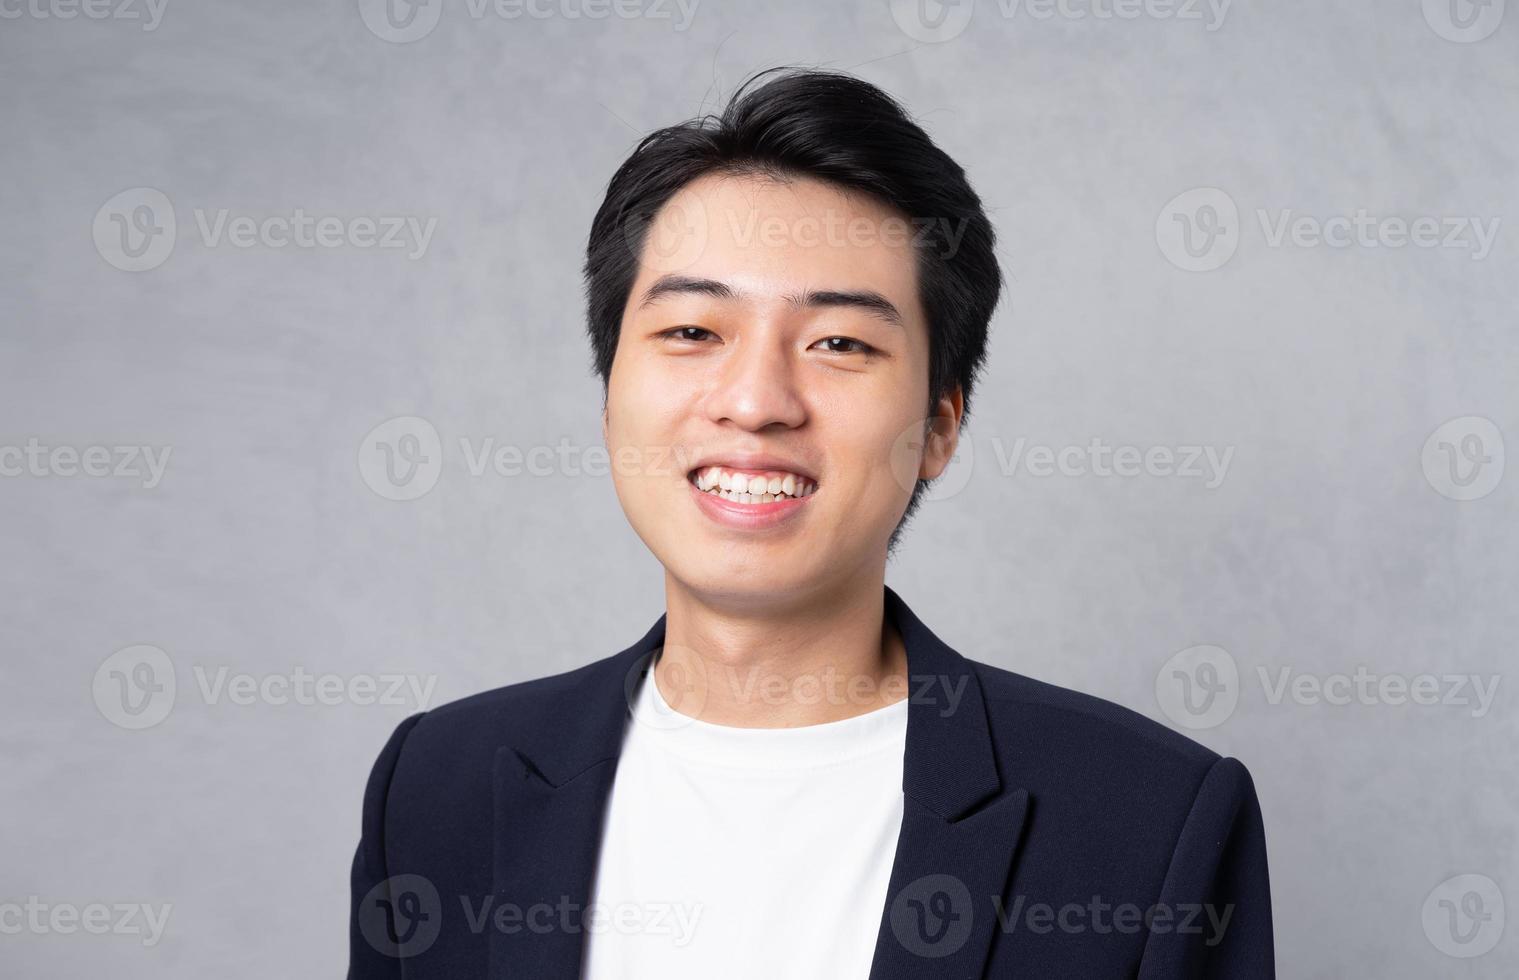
(746, 852)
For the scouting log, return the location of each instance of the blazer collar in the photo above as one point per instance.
(960, 827)
(948, 765)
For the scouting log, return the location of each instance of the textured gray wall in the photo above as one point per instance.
(1328, 536)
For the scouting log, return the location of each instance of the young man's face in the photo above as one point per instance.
(773, 340)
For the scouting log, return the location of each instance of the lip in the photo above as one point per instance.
(748, 517)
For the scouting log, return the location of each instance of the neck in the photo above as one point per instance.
(780, 662)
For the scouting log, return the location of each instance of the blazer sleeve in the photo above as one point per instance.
(369, 960)
(1214, 914)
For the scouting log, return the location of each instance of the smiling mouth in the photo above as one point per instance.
(751, 486)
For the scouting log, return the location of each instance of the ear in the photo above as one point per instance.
(942, 437)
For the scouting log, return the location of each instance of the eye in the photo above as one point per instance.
(693, 334)
(845, 345)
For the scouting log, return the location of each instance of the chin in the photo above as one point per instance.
(717, 584)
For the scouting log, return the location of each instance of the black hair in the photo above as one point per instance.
(844, 131)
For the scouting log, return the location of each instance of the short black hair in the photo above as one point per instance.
(792, 122)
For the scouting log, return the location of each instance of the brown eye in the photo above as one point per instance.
(844, 345)
(688, 333)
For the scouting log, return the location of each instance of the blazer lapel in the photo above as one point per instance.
(551, 793)
(960, 825)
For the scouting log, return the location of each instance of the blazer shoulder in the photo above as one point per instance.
(1015, 702)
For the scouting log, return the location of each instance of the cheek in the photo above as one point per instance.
(878, 452)
(633, 408)
(643, 421)
(622, 431)
(648, 388)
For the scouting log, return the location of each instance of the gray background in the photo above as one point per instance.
(1328, 545)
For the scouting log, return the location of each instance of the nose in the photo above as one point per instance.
(756, 386)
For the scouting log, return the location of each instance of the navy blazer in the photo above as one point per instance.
(1044, 834)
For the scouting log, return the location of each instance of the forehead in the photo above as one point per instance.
(770, 237)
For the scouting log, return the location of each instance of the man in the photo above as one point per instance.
(788, 306)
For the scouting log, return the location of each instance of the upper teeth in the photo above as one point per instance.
(753, 487)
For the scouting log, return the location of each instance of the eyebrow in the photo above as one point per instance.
(862, 299)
